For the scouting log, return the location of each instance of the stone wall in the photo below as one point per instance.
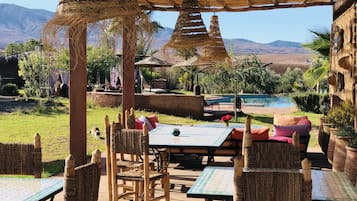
(178, 105)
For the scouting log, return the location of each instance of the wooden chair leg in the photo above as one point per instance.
(167, 187)
(136, 191)
(152, 189)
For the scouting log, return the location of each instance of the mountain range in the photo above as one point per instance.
(19, 24)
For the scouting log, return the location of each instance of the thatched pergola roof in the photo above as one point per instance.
(231, 5)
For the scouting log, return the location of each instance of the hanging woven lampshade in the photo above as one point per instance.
(190, 30)
(215, 51)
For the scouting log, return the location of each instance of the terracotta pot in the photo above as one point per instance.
(324, 136)
(331, 144)
(339, 154)
(351, 164)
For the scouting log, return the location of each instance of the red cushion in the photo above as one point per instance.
(153, 120)
(138, 124)
(258, 134)
(282, 139)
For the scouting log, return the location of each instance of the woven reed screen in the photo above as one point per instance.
(272, 155)
(270, 186)
(21, 159)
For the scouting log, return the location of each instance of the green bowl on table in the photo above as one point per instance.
(176, 132)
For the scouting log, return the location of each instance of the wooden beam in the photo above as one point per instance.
(128, 46)
(240, 9)
(77, 93)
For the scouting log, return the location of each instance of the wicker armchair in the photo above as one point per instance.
(271, 171)
(135, 141)
(22, 159)
(82, 182)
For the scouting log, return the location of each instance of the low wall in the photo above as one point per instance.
(173, 104)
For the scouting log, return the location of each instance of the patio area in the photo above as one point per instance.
(184, 170)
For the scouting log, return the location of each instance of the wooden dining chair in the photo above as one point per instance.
(21, 159)
(124, 161)
(144, 178)
(82, 182)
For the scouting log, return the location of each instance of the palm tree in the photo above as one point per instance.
(145, 30)
(319, 70)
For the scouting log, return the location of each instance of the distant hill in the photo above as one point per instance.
(19, 24)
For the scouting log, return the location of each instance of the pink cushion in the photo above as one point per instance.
(282, 139)
(153, 120)
(258, 134)
(288, 131)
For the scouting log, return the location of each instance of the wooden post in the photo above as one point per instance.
(108, 161)
(128, 46)
(146, 167)
(77, 92)
(306, 171)
(97, 157)
(38, 156)
(296, 140)
(69, 186)
(113, 159)
(247, 138)
(238, 172)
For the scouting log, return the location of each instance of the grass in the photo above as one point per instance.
(52, 123)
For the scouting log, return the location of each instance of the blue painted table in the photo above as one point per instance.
(192, 139)
(217, 183)
(29, 189)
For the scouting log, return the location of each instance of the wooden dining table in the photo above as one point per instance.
(217, 183)
(29, 189)
(192, 139)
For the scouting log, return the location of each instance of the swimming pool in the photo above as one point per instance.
(262, 100)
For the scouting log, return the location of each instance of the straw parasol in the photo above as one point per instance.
(151, 62)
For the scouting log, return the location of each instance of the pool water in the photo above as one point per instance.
(261, 100)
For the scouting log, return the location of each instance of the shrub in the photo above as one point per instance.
(342, 116)
(311, 102)
(9, 89)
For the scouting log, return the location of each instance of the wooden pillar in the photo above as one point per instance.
(77, 93)
(128, 48)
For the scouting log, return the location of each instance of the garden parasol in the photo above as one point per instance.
(151, 62)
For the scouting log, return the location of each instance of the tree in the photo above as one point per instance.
(35, 71)
(319, 70)
(145, 30)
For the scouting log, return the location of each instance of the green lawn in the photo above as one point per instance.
(53, 126)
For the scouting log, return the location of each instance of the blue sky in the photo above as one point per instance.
(260, 26)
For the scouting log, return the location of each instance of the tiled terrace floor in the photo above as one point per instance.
(185, 169)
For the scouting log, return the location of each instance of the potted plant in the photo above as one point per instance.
(351, 160)
(342, 120)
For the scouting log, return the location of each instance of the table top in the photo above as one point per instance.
(190, 136)
(26, 189)
(217, 183)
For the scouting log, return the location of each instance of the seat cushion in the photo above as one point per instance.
(286, 120)
(153, 120)
(288, 131)
(282, 139)
(258, 134)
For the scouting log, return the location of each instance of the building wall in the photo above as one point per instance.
(343, 56)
